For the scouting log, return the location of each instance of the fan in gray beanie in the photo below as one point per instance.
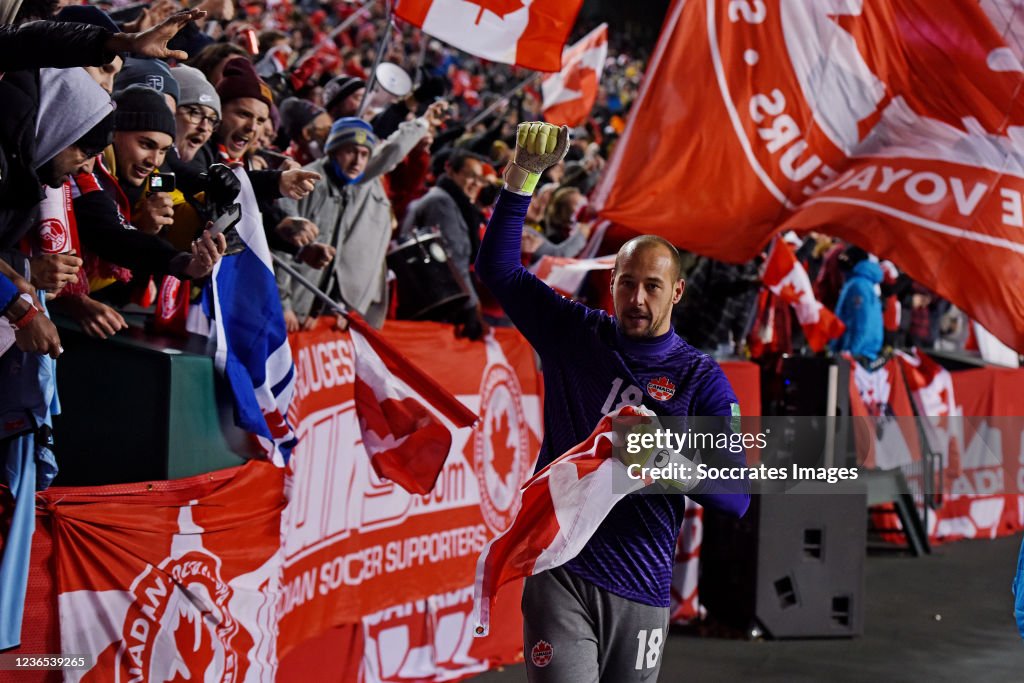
(153, 73)
(140, 108)
(198, 113)
(195, 89)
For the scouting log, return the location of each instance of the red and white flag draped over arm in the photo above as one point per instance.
(886, 123)
(569, 95)
(562, 506)
(528, 33)
(399, 409)
(785, 277)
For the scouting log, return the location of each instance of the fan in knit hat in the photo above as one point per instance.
(143, 110)
(198, 111)
(149, 72)
(241, 80)
(195, 89)
(337, 91)
(140, 108)
(349, 131)
(247, 104)
(306, 127)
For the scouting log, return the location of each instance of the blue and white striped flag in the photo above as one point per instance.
(251, 339)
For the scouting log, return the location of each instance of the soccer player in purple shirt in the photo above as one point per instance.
(603, 616)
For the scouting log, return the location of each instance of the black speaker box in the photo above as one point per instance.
(792, 567)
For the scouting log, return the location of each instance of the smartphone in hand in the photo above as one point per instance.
(227, 220)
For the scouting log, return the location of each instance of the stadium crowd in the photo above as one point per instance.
(343, 176)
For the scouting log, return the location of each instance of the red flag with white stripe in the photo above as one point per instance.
(786, 278)
(562, 506)
(569, 95)
(528, 33)
(406, 418)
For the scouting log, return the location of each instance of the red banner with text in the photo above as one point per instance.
(985, 500)
(359, 549)
(322, 572)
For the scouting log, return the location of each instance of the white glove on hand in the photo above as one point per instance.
(538, 147)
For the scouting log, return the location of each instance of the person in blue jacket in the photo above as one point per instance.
(860, 307)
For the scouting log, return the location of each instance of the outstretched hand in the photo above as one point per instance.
(153, 42)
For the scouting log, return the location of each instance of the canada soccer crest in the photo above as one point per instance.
(180, 625)
(541, 654)
(499, 449)
(661, 388)
(53, 236)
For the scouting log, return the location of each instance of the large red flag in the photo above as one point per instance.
(888, 124)
(569, 95)
(529, 33)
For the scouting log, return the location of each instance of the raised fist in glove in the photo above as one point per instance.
(538, 147)
(222, 187)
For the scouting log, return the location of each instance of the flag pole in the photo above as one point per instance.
(365, 8)
(502, 100)
(317, 292)
(384, 39)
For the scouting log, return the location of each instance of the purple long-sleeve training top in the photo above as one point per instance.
(591, 368)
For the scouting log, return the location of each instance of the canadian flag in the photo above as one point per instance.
(885, 429)
(528, 33)
(569, 95)
(566, 275)
(785, 277)
(562, 506)
(931, 387)
(399, 409)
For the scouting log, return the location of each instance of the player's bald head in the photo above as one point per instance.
(650, 242)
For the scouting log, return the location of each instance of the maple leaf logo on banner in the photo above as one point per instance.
(503, 448)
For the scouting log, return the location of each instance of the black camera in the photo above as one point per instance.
(162, 182)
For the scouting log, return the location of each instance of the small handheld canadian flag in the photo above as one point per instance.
(785, 277)
(569, 95)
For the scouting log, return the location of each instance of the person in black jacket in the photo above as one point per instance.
(450, 208)
(60, 44)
